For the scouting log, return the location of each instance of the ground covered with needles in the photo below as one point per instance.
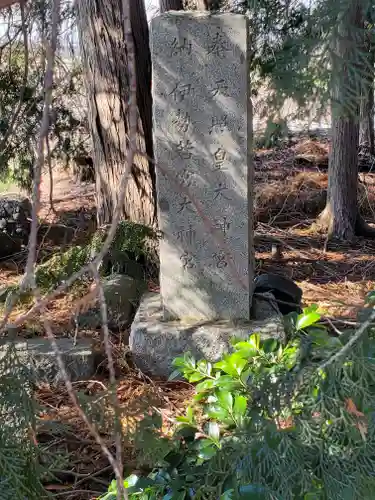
(290, 191)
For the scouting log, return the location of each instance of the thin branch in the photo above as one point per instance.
(112, 375)
(29, 278)
(24, 80)
(346, 348)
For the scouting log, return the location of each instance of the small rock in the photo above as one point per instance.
(264, 306)
(122, 294)
(38, 357)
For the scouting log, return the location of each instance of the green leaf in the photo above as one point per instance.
(218, 412)
(227, 495)
(206, 449)
(131, 481)
(254, 340)
(195, 377)
(226, 382)
(214, 431)
(310, 309)
(306, 320)
(179, 495)
(232, 364)
(252, 492)
(245, 350)
(205, 385)
(270, 345)
(190, 414)
(370, 297)
(240, 406)
(183, 420)
(174, 375)
(225, 399)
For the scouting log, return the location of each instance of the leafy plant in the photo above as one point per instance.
(130, 244)
(270, 421)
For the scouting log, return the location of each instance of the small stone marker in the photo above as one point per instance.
(37, 356)
(203, 146)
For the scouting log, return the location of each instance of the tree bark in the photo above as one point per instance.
(107, 84)
(340, 217)
(166, 5)
(366, 128)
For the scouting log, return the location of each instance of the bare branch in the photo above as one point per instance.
(29, 278)
(24, 82)
(111, 368)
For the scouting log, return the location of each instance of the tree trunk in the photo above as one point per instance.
(366, 128)
(104, 56)
(340, 217)
(166, 5)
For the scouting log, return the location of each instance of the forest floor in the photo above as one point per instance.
(290, 190)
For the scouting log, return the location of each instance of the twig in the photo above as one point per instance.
(52, 207)
(29, 278)
(24, 80)
(342, 352)
(111, 368)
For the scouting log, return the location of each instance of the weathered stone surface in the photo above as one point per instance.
(38, 357)
(203, 143)
(155, 343)
(15, 215)
(264, 306)
(122, 294)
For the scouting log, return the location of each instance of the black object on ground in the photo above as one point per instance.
(287, 294)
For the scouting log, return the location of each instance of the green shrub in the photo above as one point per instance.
(131, 243)
(267, 422)
(60, 267)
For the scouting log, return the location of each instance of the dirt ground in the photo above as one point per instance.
(290, 189)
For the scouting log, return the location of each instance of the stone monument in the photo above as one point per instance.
(203, 153)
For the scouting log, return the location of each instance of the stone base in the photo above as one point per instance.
(155, 343)
(38, 357)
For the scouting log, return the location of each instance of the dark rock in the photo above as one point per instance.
(287, 294)
(122, 294)
(264, 306)
(15, 221)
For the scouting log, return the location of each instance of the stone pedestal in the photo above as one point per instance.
(155, 343)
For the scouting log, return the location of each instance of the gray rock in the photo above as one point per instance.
(264, 306)
(15, 215)
(122, 294)
(155, 343)
(37, 356)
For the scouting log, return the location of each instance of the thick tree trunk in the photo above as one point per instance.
(340, 216)
(165, 5)
(104, 56)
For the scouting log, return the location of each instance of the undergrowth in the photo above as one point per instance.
(268, 421)
(130, 244)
